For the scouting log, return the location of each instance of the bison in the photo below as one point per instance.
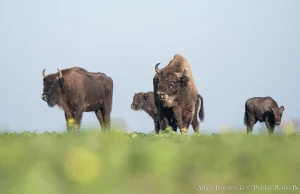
(145, 101)
(262, 109)
(176, 95)
(76, 90)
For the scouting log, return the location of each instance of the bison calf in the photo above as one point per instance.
(145, 101)
(262, 109)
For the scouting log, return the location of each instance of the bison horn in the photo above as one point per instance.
(44, 73)
(60, 74)
(156, 68)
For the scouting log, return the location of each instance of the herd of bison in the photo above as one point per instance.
(174, 101)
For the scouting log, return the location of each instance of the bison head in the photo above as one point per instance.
(52, 88)
(138, 100)
(277, 114)
(169, 86)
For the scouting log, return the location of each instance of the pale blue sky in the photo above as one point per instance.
(236, 49)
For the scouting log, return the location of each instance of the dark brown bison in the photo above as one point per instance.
(176, 95)
(196, 126)
(145, 101)
(262, 109)
(76, 90)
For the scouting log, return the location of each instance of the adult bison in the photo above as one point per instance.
(176, 95)
(196, 126)
(145, 101)
(262, 109)
(76, 90)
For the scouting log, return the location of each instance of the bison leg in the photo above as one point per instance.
(186, 124)
(100, 118)
(270, 126)
(162, 123)
(69, 120)
(174, 126)
(156, 126)
(195, 122)
(178, 119)
(171, 123)
(190, 117)
(69, 128)
(250, 126)
(156, 123)
(250, 123)
(78, 117)
(106, 115)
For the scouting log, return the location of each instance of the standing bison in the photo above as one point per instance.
(145, 101)
(76, 90)
(176, 95)
(262, 109)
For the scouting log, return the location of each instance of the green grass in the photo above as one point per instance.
(136, 163)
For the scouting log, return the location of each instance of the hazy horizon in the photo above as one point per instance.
(236, 49)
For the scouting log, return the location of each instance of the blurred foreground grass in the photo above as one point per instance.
(135, 163)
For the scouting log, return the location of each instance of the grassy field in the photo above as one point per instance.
(135, 163)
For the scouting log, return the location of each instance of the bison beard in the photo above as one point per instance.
(262, 109)
(76, 90)
(176, 96)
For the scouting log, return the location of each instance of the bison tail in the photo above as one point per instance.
(201, 111)
(246, 115)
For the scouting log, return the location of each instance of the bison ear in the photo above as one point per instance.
(61, 81)
(160, 73)
(184, 78)
(145, 95)
(282, 107)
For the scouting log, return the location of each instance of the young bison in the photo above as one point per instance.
(145, 101)
(262, 109)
